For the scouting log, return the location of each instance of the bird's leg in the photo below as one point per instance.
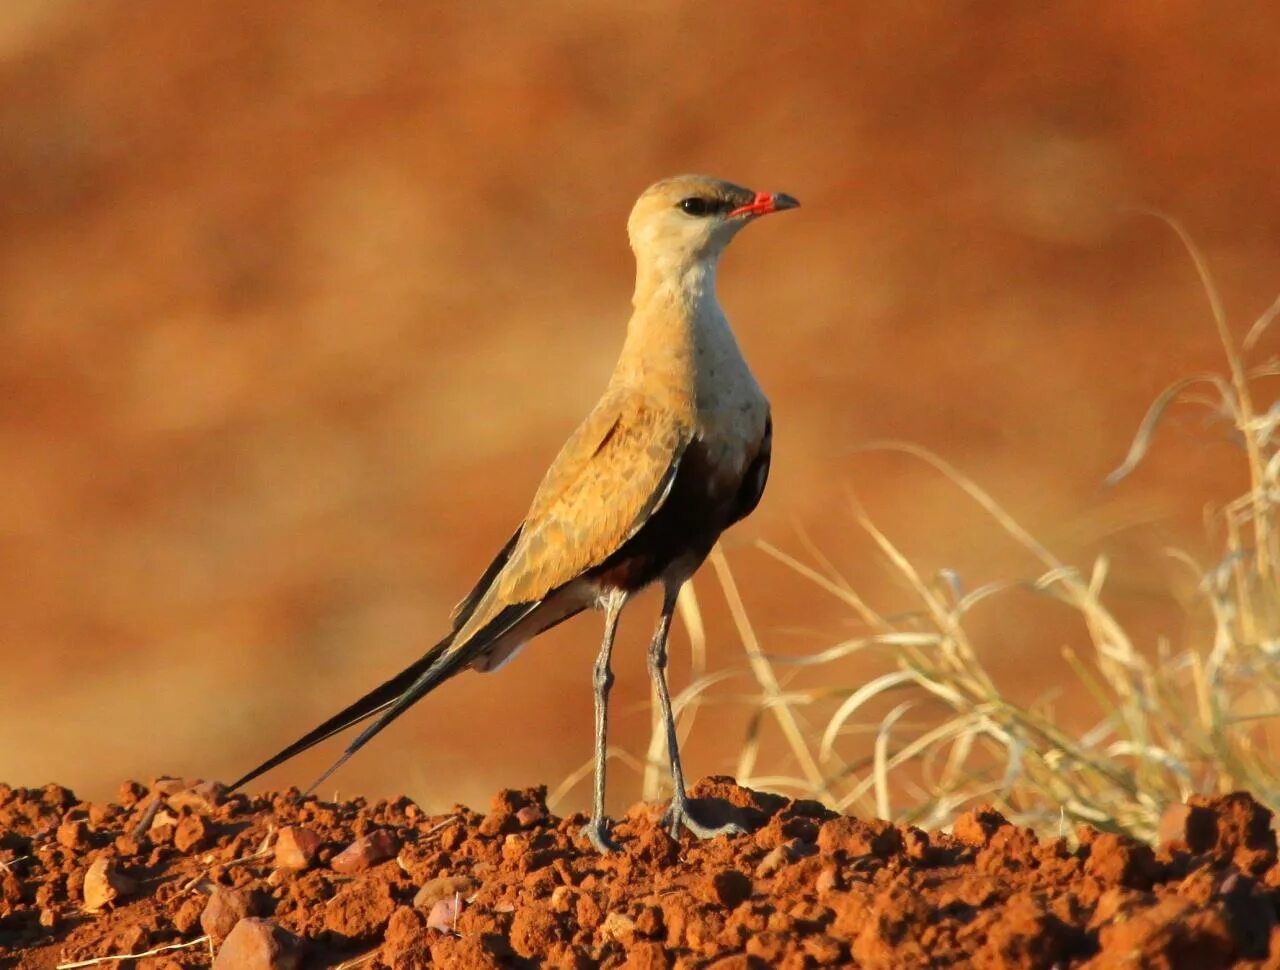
(678, 814)
(596, 829)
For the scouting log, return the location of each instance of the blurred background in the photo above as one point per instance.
(298, 299)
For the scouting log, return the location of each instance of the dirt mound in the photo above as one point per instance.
(285, 881)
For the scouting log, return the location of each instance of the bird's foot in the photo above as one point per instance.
(596, 832)
(678, 815)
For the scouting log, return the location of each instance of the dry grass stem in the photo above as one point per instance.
(134, 956)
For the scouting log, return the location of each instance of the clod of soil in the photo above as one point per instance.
(284, 881)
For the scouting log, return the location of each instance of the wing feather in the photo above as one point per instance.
(610, 477)
(462, 612)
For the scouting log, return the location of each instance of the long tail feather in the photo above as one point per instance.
(399, 693)
(378, 699)
(440, 671)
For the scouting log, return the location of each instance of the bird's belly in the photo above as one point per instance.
(675, 540)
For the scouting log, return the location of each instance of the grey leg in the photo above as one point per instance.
(678, 813)
(596, 829)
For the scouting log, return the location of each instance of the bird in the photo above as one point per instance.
(676, 451)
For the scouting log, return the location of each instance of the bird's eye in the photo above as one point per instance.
(695, 206)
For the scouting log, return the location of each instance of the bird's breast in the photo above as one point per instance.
(730, 425)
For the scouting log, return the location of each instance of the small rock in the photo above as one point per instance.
(530, 815)
(444, 914)
(162, 827)
(130, 793)
(443, 887)
(619, 927)
(728, 888)
(647, 955)
(827, 880)
(1118, 860)
(167, 785)
(368, 850)
(258, 944)
(509, 801)
(649, 923)
(296, 847)
(498, 823)
(1243, 831)
(187, 918)
(10, 889)
(162, 834)
(104, 882)
(977, 827)
(778, 857)
(514, 848)
(201, 798)
(854, 837)
(127, 845)
(192, 832)
(915, 843)
(73, 833)
(563, 899)
(132, 939)
(225, 908)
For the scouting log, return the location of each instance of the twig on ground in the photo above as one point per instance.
(120, 958)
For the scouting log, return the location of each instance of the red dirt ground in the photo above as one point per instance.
(285, 881)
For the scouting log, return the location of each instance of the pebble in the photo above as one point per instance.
(104, 883)
(225, 908)
(192, 832)
(258, 944)
(444, 914)
(368, 850)
(443, 887)
(73, 833)
(296, 847)
(728, 887)
(202, 798)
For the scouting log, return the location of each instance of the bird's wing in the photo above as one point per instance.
(462, 612)
(610, 477)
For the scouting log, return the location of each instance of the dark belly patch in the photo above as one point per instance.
(701, 505)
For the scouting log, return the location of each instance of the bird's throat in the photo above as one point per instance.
(678, 334)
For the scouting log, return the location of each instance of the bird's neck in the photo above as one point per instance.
(663, 279)
(677, 329)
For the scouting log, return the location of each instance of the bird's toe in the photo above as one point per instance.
(596, 832)
(678, 816)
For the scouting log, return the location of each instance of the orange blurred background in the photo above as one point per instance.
(298, 298)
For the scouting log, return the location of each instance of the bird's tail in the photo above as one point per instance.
(397, 695)
(391, 697)
(402, 691)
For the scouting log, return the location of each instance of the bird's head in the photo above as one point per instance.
(689, 219)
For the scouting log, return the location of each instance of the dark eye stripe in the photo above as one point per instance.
(698, 206)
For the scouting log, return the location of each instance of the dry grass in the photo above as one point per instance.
(1200, 716)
